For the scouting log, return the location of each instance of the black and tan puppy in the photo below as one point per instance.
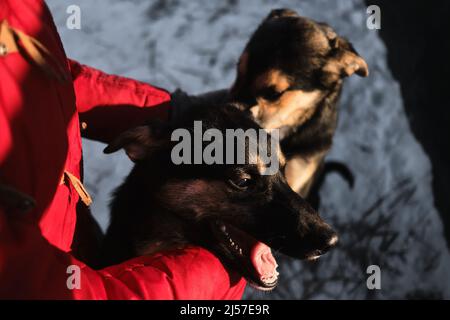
(289, 77)
(234, 210)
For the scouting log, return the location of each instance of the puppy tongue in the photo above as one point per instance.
(264, 262)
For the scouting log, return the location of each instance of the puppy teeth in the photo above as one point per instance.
(270, 279)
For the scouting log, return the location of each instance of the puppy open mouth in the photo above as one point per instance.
(253, 257)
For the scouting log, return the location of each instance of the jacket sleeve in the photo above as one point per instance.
(46, 272)
(109, 104)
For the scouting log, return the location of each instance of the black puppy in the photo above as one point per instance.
(234, 210)
(290, 77)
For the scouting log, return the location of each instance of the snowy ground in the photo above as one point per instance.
(388, 219)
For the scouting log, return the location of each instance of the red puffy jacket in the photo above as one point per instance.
(43, 99)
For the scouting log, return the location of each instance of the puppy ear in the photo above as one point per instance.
(137, 142)
(346, 61)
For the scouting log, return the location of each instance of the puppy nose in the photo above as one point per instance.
(333, 240)
(330, 242)
(327, 240)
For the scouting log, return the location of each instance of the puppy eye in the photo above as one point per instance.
(241, 183)
(271, 95)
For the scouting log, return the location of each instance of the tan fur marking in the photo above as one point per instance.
(280, 157)
(273, 78)
(299, 171)
(293, 108)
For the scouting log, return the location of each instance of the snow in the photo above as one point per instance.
(387, 219)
